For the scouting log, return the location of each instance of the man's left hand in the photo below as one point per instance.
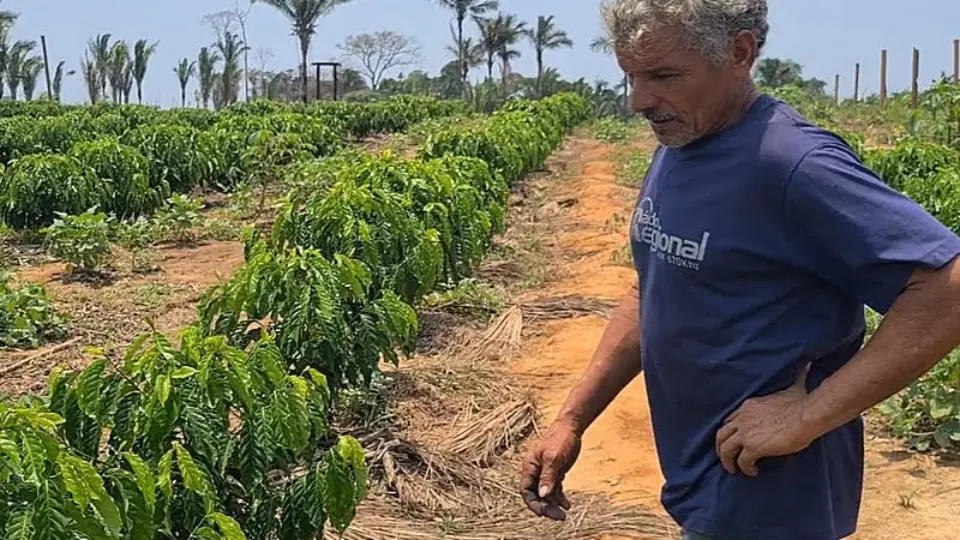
(767, 426)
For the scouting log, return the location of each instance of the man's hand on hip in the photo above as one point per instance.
(544, 469)
(767, 426)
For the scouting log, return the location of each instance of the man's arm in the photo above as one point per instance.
(615, 362)
(921, 328)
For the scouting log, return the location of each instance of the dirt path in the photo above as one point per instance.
(906, 496)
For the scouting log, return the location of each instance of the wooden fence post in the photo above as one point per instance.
(883, 78)
(856, 83)
(914, 88)
(956, 61)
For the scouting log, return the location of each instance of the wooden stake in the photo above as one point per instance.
(836, 88)
(856, 83)
(914, 87)
(46, 67)
(883, 78)
(956, 61)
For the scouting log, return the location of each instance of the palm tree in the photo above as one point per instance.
(29, 72)
(100, 51)
(468, 55)
(91, 76)
(604, 45)
(304, 14)
(141, 57)
(461, 9)
(488, 41)
(185, 71)
(206, 67)
(7, 20)
(117, 69)
(546, 37)
(230, 48)
(16, 59)
(58, 79)
(508, 31)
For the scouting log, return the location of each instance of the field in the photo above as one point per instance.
(291, 321)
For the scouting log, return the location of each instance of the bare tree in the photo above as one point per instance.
(225, 21)
(379, 52)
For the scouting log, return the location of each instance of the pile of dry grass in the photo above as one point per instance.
(593, 519)
(451, 470)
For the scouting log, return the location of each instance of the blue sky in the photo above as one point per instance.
(826, 36)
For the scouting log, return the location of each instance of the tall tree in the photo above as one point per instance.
(461, 10)
(467, 55)
(206, 69)
(58, 79)
(18, 55)
(380, 52)
(100, 51)
(29, 73)
(91, 76)
(118, 66)
(604, 45)
(508, 33)
(488, 41)
(230, 48)
(142, 52)
(224, 21)
(545, 37)
(185, 71)
(7, 20)
(304, 15)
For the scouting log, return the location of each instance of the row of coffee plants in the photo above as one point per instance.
(227, 435)
(338, 277)
(126, 160)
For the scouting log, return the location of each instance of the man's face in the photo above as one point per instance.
(682, 94)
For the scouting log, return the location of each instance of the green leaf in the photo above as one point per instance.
(163, 389)
(230, 528)
(183, 373)
(939, 410)
(194, 478)
(164, 472)
(145, 479)
(88, 388)
(20, 525)
(46, 421)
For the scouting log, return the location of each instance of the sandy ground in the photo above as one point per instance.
(906, 496)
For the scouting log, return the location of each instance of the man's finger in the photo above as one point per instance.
(801, 381)
(549, 475)
(529, 484)
(729, 450)
(724, 433)
(747, 462)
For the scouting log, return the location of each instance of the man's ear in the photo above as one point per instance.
(745, 50)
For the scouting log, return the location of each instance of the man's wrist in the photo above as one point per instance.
(572, 421)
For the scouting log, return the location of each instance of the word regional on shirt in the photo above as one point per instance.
(670, 248)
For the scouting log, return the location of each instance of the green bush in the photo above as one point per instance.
(36, 187)
(27, 316)
(82, 241)
(124, 173)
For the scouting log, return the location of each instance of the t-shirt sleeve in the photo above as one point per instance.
(850, 228)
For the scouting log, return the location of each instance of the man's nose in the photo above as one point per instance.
(641, 97)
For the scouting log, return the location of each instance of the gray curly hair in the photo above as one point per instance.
(706, 25)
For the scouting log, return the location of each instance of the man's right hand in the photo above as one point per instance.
(544, 469)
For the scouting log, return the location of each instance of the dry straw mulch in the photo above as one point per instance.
(451, 469)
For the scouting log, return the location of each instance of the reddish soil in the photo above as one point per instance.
(110, 313)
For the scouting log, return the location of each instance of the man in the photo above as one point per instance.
(758, 238)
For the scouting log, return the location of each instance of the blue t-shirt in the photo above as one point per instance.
(757, 249)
